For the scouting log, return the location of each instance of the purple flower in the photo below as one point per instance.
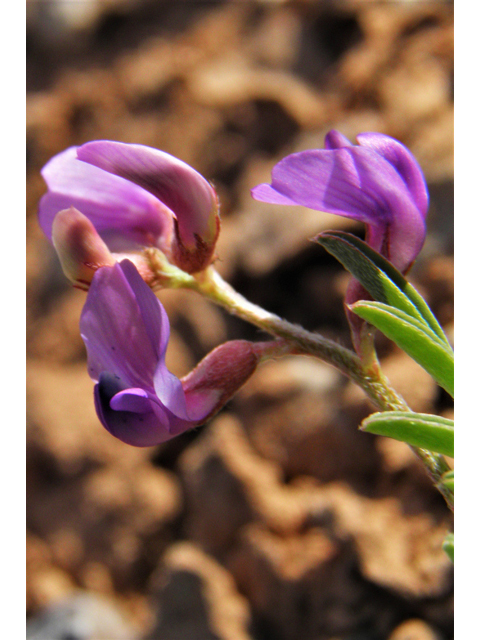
(377, 182)
(126, 331)
(135, 196)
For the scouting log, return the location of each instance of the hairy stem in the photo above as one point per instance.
(370, 379)
(294, 339)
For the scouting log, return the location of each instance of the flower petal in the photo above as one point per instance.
(133, 400)
(141, 424)
(170, 391)
(177, 185)
(79, 247)
(126, 331)
(354, 182)
(336, 140)
(403, 161)
(140, 401)
(123, 333)
(340, 181)
(153, 314)
(117, 208)
(157, 326)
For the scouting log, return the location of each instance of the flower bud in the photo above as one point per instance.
(218, 376)
(79, 247)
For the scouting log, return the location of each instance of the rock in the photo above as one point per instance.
(228, 484)
(302, 425)
(197, 599)
(402, 553)
(81, 617)
(437, 277)
(288, 579)
(414, 630)
(62, 423)
(230, 81)
(415, 90)
(56, 337)
(47, 583)
(119, 518)
(304, 583)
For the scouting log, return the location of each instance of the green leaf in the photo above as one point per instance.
(414, 337)
(448, 480)
(418, 429)
(380, 278)
(448, 545)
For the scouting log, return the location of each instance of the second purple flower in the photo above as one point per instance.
(135, 196)
(377, 182)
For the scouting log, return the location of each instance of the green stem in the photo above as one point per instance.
(211, 285)
(387, 399)
(371, 379)
(297, 340)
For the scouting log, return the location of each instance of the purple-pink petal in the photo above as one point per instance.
(403, 161)
(341, 181)
(153, 316)
(121, 211)
(336, 140)
(169, 391)
(378, 183)
(138, 428)
(116, 335)
(135, 400)
(136, 197)
(178, 186)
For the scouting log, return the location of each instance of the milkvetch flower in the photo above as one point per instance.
(377, 182)
(136, 197)
(138, 400)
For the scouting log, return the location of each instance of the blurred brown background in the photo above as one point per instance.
(278, 520)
